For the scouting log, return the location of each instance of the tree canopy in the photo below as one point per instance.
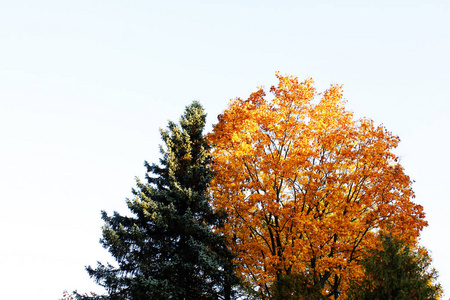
(307, 187)
(289, 192)
(168, 248)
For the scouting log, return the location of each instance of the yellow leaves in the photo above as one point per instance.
(305, 185)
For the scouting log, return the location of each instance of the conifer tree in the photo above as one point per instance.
(397, 272)
(168, 248)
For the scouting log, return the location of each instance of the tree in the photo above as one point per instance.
(306, 186)
(168, 249)
(398, 272)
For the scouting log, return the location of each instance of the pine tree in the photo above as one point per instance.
(396, 272)
(168, 249)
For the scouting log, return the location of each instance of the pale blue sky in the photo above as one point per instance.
(85, 85)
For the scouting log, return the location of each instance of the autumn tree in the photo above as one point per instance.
(396, 271)
(307, 187)
(167, 249)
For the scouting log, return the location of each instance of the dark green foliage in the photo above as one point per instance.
(396, 272)
(296, 287)
(168, 250)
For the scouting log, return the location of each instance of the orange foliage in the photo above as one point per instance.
(306, 186)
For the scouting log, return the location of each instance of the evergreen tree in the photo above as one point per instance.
(396, 272)
(168, 249)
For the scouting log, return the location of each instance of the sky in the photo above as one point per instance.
(86, 85)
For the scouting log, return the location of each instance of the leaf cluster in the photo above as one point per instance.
(306, 186)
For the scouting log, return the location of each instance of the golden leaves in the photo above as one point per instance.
(306, 186)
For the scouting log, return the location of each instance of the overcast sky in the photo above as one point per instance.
(86, 85)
